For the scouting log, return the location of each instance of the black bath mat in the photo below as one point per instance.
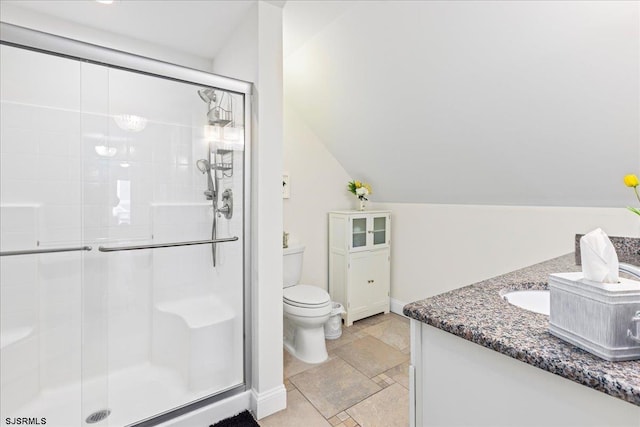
(243, 419)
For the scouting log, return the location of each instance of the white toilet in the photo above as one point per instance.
(306, 309)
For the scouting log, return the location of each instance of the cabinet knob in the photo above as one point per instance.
(370, 231)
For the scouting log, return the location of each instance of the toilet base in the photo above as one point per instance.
(306, 344)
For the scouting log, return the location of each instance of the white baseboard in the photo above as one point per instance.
(213, 413)
(268, 402)
(396, 306)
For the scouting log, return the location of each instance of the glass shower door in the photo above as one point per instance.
(174, 310)
(41, 239)
(137, 316)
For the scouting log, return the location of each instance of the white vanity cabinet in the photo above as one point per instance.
(359, 260)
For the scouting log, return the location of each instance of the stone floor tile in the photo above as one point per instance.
(334, 386)
(370, 356)
(400, 318)
(334, 421)
(293, 365)
(400, 374)
(342, 416)
(393, 331)
(288, 386)
(299, 412)
(368, 321)
(345, 338)
(387, 408)
(378, 348)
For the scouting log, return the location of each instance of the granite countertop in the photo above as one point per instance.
(478, 313)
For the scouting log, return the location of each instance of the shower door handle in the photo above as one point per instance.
(166, 245)
(45, 251)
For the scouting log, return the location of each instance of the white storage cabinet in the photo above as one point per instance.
(359, 260)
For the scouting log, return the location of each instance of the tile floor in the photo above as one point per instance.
(365, 381)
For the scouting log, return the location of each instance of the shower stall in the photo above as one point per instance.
(124, 235)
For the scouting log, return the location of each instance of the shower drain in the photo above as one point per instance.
(98, 416)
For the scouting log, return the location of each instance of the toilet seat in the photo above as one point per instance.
(320, 311)
(306, 296)
(306, 301)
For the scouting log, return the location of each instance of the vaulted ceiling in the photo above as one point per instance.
(488, 102)
(526, 103)
(199, 28)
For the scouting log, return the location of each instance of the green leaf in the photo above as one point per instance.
(634, 210)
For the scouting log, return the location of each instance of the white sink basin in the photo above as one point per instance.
(532, 300)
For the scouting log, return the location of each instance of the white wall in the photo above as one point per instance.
(262, 35)
(239, 55)
(318, 185)
(477, 102)
(437, 248)
(50, 24)
(271, 396)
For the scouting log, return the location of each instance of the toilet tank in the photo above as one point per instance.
(292, 265)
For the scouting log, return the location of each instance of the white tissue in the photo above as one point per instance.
(598, 257)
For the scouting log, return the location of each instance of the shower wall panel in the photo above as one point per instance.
(99, 156)
(40, 206)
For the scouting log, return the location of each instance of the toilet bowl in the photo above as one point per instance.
(306, 308)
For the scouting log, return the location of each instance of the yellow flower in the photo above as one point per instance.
(631, 180)
(359, 188)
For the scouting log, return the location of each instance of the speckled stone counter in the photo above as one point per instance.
(478, 313)
(627, 249)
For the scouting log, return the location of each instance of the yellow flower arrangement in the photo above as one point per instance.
(360, 189)
(632, 181)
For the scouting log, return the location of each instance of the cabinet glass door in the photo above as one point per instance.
(358, 232)
(379, 230)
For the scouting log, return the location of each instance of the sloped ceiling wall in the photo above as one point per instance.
(194, 27)
(521, 103)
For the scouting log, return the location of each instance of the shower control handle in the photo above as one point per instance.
(227, 204)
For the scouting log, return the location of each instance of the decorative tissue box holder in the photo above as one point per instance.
(601, 318)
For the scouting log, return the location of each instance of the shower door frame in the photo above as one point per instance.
(26, 38)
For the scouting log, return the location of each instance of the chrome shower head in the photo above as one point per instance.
(203, 166)
(208, 95)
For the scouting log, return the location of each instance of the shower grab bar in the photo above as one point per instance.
(45, 251)
(166, 245)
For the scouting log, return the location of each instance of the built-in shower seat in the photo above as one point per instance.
(190, 335)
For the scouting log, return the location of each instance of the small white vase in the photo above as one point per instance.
(363, 204)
